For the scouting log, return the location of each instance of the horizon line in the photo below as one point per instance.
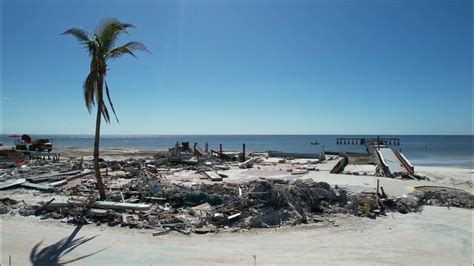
(242, 134)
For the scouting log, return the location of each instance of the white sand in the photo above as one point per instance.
(438, 236)
(452, 177)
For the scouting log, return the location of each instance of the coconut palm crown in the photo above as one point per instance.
(102, 47)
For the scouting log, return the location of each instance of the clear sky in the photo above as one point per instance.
(246, 67)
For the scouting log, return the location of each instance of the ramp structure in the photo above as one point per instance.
(390, 160)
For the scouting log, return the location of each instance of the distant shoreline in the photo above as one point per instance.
(429, 150)
(137, 152)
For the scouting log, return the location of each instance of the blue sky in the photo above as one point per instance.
(246, 67)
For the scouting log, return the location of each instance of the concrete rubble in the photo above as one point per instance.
(142, 193)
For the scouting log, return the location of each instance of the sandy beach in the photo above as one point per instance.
(438, 236)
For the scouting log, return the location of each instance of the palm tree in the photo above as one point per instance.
(101, 47)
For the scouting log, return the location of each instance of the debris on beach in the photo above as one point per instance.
(189, 190)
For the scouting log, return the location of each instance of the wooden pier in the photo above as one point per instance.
(390, 161)
(368, 141)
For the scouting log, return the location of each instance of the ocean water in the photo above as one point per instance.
(453, 151)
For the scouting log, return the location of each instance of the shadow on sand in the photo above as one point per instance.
(53, 254)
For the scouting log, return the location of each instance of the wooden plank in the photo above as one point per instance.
(64, 181)
(11, 183)
(213, 176)
(57, 183)
(104, 205)
(37, 186)
(299, 172)
(222, 167)
(47, 177)
(250, 162)
(233, 216)
(62, 204)
(69, 178)
(121, 206)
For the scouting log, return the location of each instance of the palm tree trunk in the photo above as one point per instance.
(100, 184)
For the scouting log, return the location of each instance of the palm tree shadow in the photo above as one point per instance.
(53, 254)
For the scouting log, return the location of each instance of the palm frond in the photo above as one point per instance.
(110, 101)
(127, 48)
(105, 112)
(90, 87)
(101, 46)
(81, 35)
(108, 31)
(94, 48)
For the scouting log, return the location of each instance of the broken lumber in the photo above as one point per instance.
(233, 216)
(64, 181)
(58, 183)
(213, 176)
(162, 232)
(103, 205)
(46, 188)
(222, 167)
(174, 225)
(12, 183)
(299, 172)
(50, 177)
(222, 155)
(121, 206)
(249, 163)
(198, 151)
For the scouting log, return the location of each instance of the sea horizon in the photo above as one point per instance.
(422, 150)
(236, 134)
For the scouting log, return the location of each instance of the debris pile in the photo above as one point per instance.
(442, 196)
(200, 208)
(141, 196)
(163, 206)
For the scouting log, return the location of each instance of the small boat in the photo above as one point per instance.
(315, 143)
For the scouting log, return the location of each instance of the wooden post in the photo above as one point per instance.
(378, 184)
(243, 152)
(220, 149)
(206, 147)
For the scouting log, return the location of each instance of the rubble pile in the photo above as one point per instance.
(139, 194)
(201, 208)
(35, 168)
(446, 197)
(215, 207)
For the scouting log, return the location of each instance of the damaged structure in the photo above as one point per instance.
(194, 190)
